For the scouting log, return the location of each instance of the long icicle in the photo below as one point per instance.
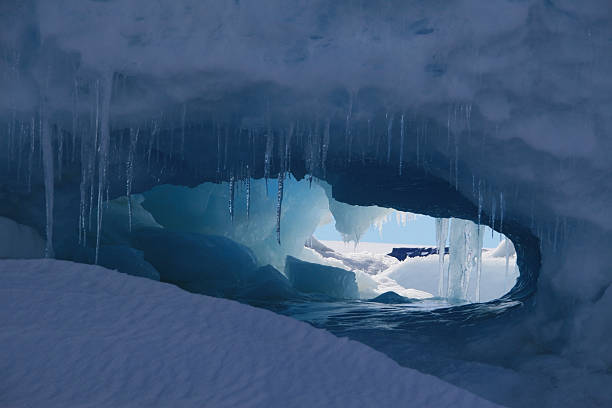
(103, 154)
(232, 183)
(49, 178)
(441, 236)
(129, 176)
(279, 203)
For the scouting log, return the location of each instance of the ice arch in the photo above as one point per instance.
(382, 102)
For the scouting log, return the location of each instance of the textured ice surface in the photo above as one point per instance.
(115, 340)
(309, 277)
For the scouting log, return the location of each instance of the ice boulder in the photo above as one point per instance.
(118, 257)
(207, 264)
(19, 241)
(267, 283)
(321, 279)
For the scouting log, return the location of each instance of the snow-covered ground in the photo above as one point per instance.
(80, 335)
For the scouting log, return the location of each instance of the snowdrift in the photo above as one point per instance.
(76, 335)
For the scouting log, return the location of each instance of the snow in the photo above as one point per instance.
(116, 340)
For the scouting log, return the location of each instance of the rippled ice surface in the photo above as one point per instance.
(344, 317)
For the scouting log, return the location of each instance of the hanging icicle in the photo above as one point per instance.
(279, 203)
(103, 153)
(401, 152)
(389, 118)
(248, 192)
(441, 237)
(231, 197)
(49, 179)
(129, 176)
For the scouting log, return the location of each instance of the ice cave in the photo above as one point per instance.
(282, 203)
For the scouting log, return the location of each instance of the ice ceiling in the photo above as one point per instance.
(449, 108)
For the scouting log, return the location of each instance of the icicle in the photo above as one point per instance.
(401, 152)
(348, 134)
(184, 114)
(456, 162)
(129, 176)
(218, 131)
(22, 132)
(389, 135)
(465, 250)
(31, 155)
(268, 156)
(479, 203)
(279, 203)
(60, 153)
(75, 116)
(507, 253)
(248, 192)
(493, 208)
(441, 236)
(47, 156)
(479, 260)
(231, 197)
(103, 151)
(501, 213)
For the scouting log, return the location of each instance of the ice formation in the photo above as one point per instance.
(320, 279)
(465, 255)
(525, 151)
(441, 235)
(199, 263)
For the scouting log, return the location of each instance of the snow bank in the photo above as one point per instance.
(115, 340)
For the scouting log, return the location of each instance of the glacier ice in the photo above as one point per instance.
(320, 279)
(207, 264)
(267, 283)
(203, 210)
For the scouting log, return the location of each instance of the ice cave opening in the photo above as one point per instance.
(288, 245)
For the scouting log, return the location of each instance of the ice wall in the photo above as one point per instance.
(205, 209)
